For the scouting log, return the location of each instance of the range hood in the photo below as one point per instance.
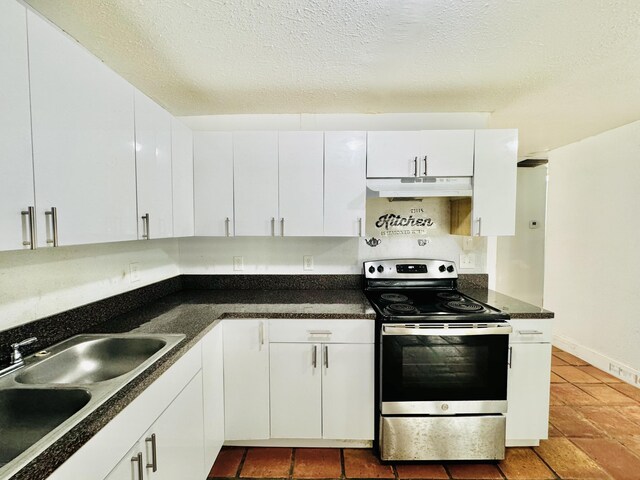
(421, 187)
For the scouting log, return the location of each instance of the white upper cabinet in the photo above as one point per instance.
(153, 167)
(345, 186)
(494, 182)
(182, 173)
(301, 182)
(213, 183)
(16, 167)
(426, 153)
(83, 142)
(255, 180)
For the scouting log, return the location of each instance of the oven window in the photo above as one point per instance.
(434, 368)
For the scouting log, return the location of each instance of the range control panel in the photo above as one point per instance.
(410, 268)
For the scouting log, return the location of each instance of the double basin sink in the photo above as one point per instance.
(60, 386)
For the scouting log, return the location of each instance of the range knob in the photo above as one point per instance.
(450, 268)
(372, 269)
(380, 268)
(442, 268)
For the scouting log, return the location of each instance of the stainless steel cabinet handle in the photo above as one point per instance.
(154, 453)
(529, 332)
(425, 165)
(226, 226)
(326, 356)
(415, 167)
(53, 213)
(273, 226)
(282, 227)
(261, 335)
(314, 360)
(30, 213)
(145, 226)
(479, 220)
(359, 227)
(510, 356)
(138, 459)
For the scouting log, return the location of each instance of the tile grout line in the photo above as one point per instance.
(241, 464)
(292, 459)
(343, 471)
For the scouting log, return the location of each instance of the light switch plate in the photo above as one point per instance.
(307, 262)
(238, 264)
(134, 271)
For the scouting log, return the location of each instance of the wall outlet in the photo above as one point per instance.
(623, 373)
(467, 260)
(467, 243)
(238, 264)
(307, 262)
(134, 272)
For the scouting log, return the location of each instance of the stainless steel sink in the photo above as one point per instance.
(28, 414)
(60, 386)
(93, 360)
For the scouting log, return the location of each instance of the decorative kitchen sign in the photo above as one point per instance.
(407, 218)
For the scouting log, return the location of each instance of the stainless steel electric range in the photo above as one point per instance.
(442, 361)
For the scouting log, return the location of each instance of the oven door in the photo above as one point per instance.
(443, 370)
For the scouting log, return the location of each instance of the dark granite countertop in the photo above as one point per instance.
(192, 313)
(514, 307)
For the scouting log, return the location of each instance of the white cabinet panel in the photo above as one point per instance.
(246, 380)
(528, 392)
(153, 168)
(182, 175)
(446, 153)
(255, 167)
(83, 141)
(213, 394)
(296, 383)
(345, 186)
(16, 167)
(213, 183)
(494, 182)
(347, 391)
(393, 154)
(179, 438)
(301, 183)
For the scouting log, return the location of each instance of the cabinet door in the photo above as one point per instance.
(213, 394)
(179, 440)
(213, 183)
(128, 467)
(494, 182)
(345, 183)
(153, 166)
(246, 380)
(182, 176)
(16, 167)
(255, 182)
(301, 179)
(83, 141)
(347, 391)
(393, 154)
(446, 153)
(528, 391)
(296, 383)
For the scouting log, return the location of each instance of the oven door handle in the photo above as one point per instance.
(444, 332)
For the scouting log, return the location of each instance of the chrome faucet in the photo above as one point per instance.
(16, 356)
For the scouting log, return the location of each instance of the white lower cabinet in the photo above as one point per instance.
(246, 379)
(213, 394)
(528, 382)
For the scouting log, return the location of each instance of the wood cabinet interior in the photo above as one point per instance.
(460, 216)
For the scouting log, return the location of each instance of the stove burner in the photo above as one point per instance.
(394, 298)
(402, 308)
(449, 296)
(464, 306)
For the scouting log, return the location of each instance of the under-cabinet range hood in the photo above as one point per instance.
(421, 187)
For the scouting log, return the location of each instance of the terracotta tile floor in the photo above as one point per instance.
(594, 433)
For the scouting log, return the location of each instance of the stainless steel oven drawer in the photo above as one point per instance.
(442, 438)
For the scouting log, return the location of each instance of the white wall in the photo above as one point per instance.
(35, 284)
(593, 246)
(520, 258)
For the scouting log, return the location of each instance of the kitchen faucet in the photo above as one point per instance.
(16, 357)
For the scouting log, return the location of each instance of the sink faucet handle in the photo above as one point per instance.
(16, 356)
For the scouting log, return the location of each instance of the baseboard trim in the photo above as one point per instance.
(603, 362)
(301, 443)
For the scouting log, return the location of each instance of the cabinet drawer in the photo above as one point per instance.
(321, 331)
(531, 330)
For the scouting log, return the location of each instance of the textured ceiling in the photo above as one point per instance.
(557, 69)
